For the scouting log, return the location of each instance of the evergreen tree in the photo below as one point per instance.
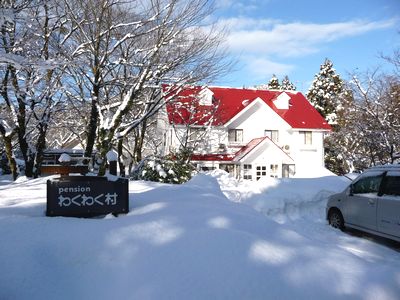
(326, 91)
(328, 95)
(170, 169)
(287, 85)
(273, 83)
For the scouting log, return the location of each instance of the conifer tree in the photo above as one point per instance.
(273, 83)
(287, 85)
(326, 91)
(328, 95)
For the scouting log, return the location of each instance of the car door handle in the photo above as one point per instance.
(371, 202)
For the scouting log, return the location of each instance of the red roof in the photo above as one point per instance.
(248, 148)
(228, 102)
(212, 157)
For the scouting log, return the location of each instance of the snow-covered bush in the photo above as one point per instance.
(163, 169)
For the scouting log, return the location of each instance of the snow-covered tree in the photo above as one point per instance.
(30, 76)
(195, 113)
(120, 51)
(368, 131)
(164, 169)
(273, 83)
(287, 85)
(326, 92)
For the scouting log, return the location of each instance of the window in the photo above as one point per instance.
(227, 167)
(196, 133)
(392, 185)
(272, 134)
(288, 170)
(203, 168)
(261, 171)
(247, 172)
(196, 136)
(368, 184)
(274, 170)
(306, 137)
(235, 135)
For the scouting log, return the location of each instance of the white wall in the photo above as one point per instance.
(256, 119)
(267, 154)
(211, 140)
(308, 156)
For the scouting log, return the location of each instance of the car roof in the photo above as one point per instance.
(395, 167)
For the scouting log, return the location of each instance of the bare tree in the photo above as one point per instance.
(122, 49)
(192, 121)
(369, 127)
(30, 76)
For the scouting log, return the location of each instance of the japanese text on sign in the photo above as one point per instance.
(83, 200)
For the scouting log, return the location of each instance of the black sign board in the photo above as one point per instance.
(86, 196)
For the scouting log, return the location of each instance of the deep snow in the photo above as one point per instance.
(211, 238)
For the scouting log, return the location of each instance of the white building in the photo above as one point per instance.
(250, 133)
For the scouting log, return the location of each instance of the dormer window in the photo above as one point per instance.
(282, 101)
(206, 97)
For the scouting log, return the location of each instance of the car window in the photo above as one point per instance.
(392, 184)
(367, 183)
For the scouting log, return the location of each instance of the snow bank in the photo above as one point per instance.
(283, 199)
(313, 173)
(187, 242)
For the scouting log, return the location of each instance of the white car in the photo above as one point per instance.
(371, 203)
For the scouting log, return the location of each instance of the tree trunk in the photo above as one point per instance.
(92, 128)
(120, 162)
(26, 152)
(40, 146)
(10, 157)
(392, 154)
(139, 140)
(104, 145)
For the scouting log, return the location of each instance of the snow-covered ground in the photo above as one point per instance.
(211, 238)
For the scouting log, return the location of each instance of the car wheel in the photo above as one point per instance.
(335, 219)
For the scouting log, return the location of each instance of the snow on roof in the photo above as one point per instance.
(238, 155)
(231, 101)
(64, 158)
(64, 150)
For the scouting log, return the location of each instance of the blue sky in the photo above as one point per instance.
(293, 38)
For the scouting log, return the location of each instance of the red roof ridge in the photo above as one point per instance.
(240, 154)
(248, 148)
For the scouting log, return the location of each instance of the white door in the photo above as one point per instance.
(361, 205)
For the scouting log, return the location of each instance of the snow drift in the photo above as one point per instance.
(190, 242)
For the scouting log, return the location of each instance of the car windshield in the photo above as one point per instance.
(368, 182)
